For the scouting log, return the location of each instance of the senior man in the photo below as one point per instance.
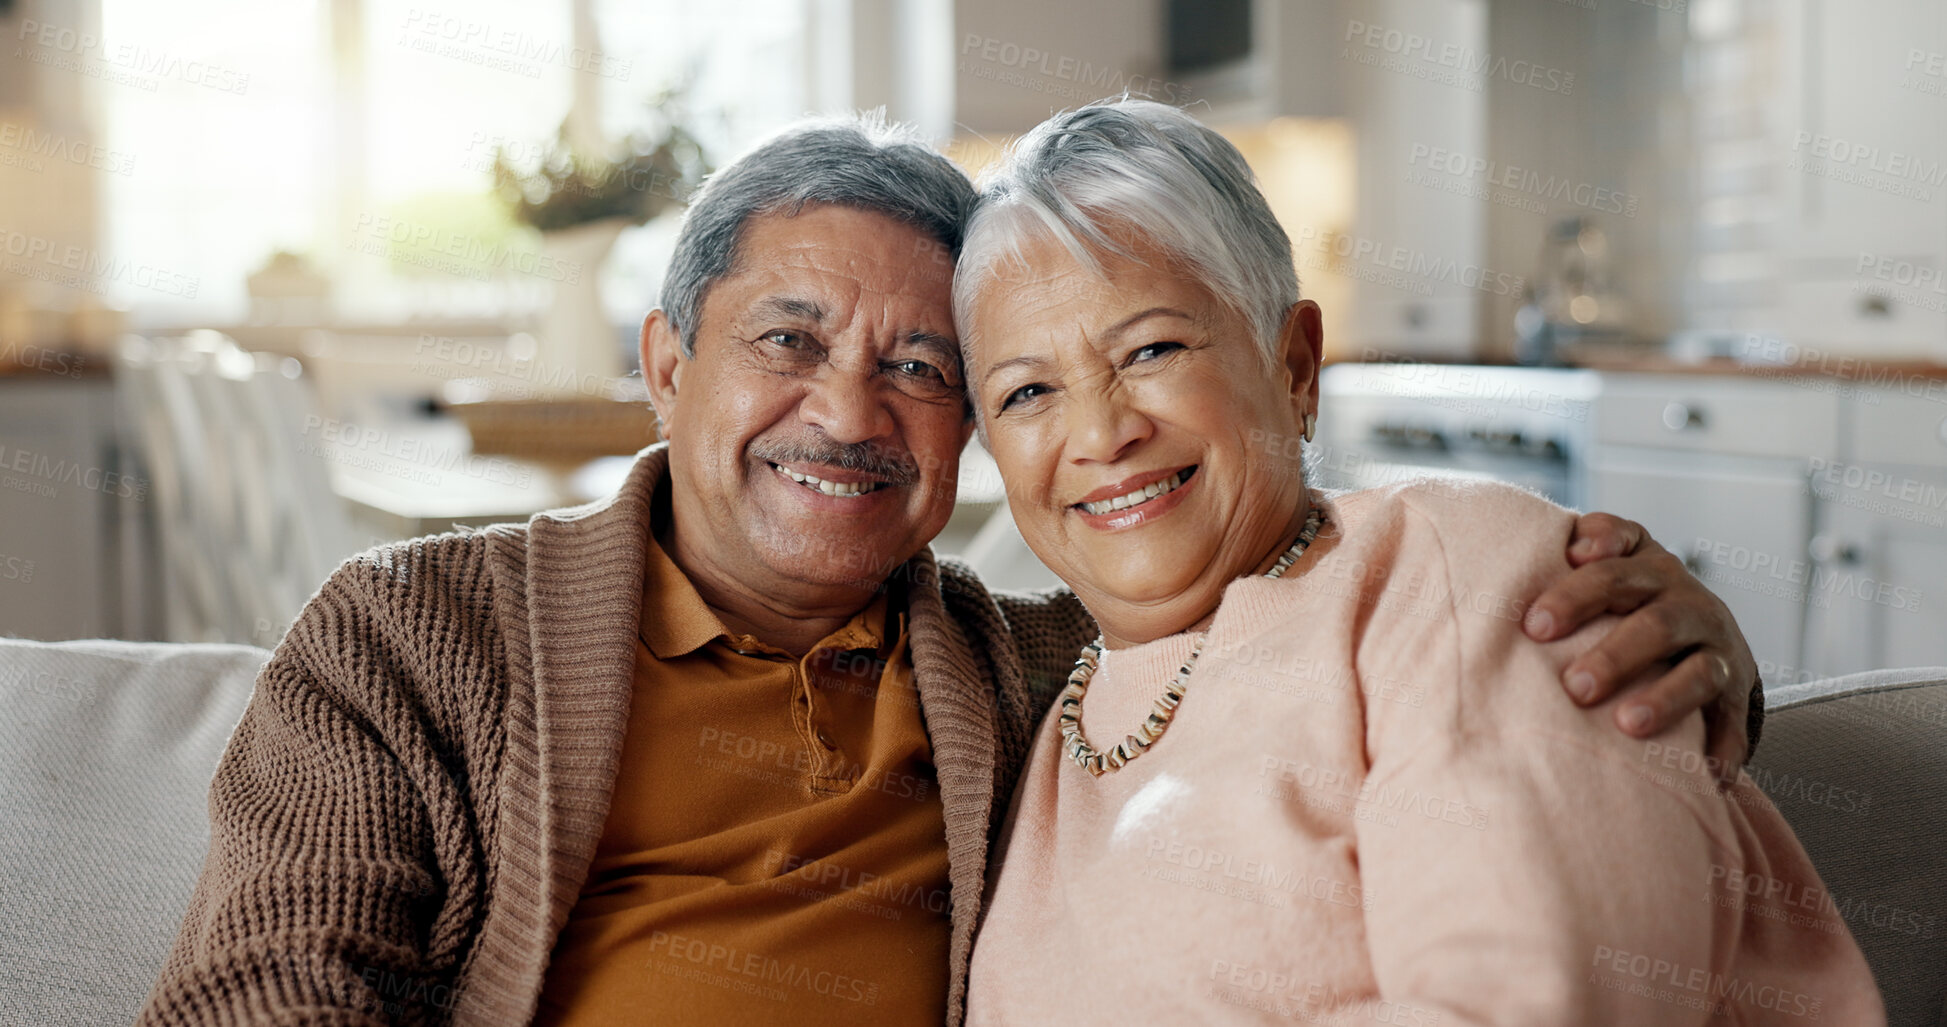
(730, 745)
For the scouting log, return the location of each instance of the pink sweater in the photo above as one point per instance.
(1376, 805)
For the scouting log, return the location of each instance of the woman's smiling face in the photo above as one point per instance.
(1142, 436)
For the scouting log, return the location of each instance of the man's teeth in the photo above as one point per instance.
(1141, 495)
(830, 488)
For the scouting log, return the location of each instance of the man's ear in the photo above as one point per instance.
(662, 366)
(1301, 349)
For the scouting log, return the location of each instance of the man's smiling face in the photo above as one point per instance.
(815, 435)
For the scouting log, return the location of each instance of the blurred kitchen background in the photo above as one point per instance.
(280, 281)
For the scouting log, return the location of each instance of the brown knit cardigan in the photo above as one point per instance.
(407, 810)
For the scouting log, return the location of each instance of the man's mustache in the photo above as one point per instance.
(895, 466)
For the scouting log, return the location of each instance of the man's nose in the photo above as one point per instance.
(1104, 426)
(848, 405)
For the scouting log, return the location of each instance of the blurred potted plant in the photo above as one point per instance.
(581, 201)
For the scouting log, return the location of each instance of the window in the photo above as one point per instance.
(352, 130)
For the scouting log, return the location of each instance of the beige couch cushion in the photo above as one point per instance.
(106, 753)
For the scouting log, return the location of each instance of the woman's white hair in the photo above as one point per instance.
(1122, 166)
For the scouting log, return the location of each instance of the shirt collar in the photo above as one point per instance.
(675, 620)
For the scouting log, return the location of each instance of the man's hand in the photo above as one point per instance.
(1670, 619)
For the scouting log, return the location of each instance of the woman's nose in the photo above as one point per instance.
(1104, 426)
(847, 406)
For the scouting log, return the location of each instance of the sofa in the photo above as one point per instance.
(106, 750)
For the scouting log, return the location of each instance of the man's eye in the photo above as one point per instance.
(919, 369)
(1154, 350)
(785, 340)
(1024, 394)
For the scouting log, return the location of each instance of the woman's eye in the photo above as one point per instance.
(1023, 394)
(1154, 350)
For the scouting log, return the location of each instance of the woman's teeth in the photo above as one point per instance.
(1141, 495)
(830, 488)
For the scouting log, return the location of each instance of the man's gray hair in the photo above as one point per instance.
(1136, 166)
(860, 161)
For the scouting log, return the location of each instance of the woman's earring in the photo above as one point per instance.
(1311, 426)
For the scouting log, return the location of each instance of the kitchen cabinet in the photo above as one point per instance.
(1880, 541)
(1815, 508)
(1716, 469)
(1858, 142)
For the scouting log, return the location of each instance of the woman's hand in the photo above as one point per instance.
(1670, 619)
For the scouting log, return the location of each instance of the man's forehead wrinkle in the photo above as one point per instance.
(790, 306)
(891, 294)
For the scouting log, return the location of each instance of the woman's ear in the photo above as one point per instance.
(662, 367)
(1301, 348)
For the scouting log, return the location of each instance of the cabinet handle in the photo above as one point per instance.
(1679, 416)
(1826, 549)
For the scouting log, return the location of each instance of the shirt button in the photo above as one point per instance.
(825, 739)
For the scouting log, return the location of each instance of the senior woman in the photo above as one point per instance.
(1309, 771)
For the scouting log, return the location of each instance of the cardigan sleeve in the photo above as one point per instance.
(321, 885)
(1049, 628)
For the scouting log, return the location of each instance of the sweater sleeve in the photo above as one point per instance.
(320, 888)
(1544, 868)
